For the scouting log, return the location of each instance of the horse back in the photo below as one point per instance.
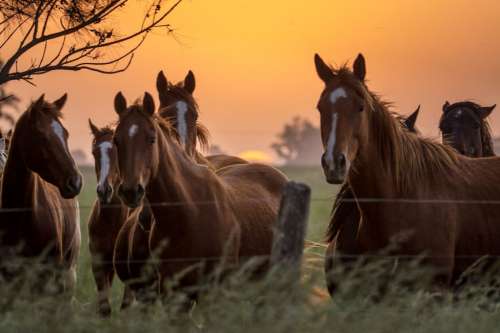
(255, 191)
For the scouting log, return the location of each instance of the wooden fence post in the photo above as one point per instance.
(290, 231)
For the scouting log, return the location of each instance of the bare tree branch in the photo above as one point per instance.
(81, 21)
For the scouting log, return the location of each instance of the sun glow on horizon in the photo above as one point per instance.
(256, 156)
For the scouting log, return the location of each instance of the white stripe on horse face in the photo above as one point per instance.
(336, 94)
(182, 109)
(105, 148)
(132, 131)
(330, 146)
(59, 132)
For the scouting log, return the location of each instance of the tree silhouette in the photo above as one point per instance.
(299, 143)
(71, 35)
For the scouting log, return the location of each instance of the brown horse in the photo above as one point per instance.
(345, 219)
(107, 218)
(178, 105)
(422, 189)
(40, 181)
(202, 216)
(464, 127)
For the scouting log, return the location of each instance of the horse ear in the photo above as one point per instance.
(412, 119)
(148, 104)
(161, 82)
(39, 102)
(359, 67)
(59, 104)
(93, 128)
(446, 105)
(486, 111)
(324, 71)
(190, 82)
(120, 103)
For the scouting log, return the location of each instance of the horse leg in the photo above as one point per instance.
(128, 297)
(103, 277)
(346, 245)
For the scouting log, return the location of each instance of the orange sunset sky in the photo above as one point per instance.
(253, 62)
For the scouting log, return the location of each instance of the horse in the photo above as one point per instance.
(203, 217)
(40, 215)
(107, 218)
(423, 188)
(345, 217)
(178, 105)
(464, 127)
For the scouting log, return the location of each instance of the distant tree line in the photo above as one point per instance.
(299, 143)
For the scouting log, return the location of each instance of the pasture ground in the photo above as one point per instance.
(273, 305)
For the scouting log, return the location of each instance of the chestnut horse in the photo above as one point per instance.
(178, 105)
(40, 182)
(107, 218)
(345, 219)
(464, 127)
(423, 189)
(202, 217)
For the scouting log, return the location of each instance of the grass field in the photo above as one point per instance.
(272, 305)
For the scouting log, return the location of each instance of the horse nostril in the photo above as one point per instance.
(323, 161)
(341, 161)
(74, 183)
(140, 190)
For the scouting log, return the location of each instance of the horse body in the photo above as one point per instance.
(422, 189)
(202, 217)
(45, 212)
(344, 223)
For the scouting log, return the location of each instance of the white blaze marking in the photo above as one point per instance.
(132, 131)
(59, 132)
(336, 94)
(182, 109)
(104, 147)
(331, 139)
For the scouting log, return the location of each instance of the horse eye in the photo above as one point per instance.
(361, 108)
(152, 140)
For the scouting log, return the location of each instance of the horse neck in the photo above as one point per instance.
(178, 183)
(18, 180)
(374, 170)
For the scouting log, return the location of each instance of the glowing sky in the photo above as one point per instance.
(253, 62)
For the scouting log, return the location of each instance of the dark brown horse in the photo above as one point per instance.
(345, 219)
(178, 105)
(464, 127)
(202, 217)
(436, 202)
(107, 218)
(40, 182)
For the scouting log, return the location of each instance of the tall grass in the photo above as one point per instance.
(372, 297)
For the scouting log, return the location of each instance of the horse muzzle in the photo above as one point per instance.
(72, 187)
(335, 169)
(104, 193)
(132, 196)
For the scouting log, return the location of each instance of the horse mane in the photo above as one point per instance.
(203, 136)
(409, 158)
(486, 139)
(47, 108)
(104, 131)
(178, 92)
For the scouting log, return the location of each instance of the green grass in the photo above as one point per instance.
(275, 304)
